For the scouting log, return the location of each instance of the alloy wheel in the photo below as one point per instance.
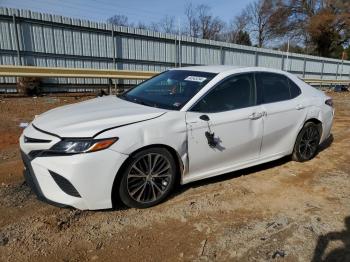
(309, 142)
(149, 178)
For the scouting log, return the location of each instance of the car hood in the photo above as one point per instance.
(88, 118)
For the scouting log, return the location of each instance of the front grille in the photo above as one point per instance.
(64, 184)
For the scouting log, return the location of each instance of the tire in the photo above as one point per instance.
(148, 178)
(306, 145)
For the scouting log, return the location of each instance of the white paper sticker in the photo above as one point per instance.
(196, 78)
(23, 124)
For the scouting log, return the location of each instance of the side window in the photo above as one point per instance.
(233, 93)
(294, 89)
(274, 87)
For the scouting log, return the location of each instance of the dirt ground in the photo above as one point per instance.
(277, 211)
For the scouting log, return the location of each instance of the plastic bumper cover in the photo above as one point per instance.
(91, 174)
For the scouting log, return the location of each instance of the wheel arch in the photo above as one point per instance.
(316, 122)
(178, 161)
(312, 120)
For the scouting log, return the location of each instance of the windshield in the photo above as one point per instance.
(169, 90)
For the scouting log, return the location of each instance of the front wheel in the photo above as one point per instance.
(306, 145)
(148, 179)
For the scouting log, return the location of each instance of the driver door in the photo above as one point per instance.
(228, 111)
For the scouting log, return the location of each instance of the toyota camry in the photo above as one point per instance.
(182, 125)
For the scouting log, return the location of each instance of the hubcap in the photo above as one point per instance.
(149, 178)
(309, 142)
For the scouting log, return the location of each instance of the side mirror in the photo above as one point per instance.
(204, 118)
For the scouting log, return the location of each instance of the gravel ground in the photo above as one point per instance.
(280, 211)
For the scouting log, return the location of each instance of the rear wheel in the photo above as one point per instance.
(306, 145)
(148, 179)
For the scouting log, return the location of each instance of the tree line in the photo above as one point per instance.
(316, 27)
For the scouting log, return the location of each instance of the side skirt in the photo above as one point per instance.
(188, 178)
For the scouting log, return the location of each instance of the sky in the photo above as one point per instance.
(146, 11)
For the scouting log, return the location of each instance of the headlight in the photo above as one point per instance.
(74, 146)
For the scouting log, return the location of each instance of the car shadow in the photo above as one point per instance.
(327, 143)
(338, 254)
(246, 171)
(231, 175)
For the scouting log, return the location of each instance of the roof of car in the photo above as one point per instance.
(224, 68)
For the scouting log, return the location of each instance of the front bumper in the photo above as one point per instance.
(90, 175)
(32, 182)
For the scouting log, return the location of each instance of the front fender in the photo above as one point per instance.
(168, 130)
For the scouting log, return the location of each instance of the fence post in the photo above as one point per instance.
(114, 62)
(341, 68)
(256, 58)
(110, 86)
(282, 63)
(336, 74)
(114, 47)
(222, 53)
(304, 67)
(180, 53)
(175, 50)
(17, 40)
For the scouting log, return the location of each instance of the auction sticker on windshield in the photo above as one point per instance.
(196, 78)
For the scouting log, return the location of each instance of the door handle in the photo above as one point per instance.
(299, 107)
(256, 116)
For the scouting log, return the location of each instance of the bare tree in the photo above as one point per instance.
(120, 20)
(167, 24)
(192, 26)
(154, 27)
(202, 23)
(258, 17)
(210, 26)
(141, 25)
(237, 25)
(266, 20)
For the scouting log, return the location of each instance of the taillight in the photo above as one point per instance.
(329, 102)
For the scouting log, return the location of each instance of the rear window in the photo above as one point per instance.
(294, 89)
(276, 87)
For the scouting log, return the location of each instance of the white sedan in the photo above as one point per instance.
(180, 126)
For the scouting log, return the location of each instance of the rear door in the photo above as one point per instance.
(284, 112)
(228, 112)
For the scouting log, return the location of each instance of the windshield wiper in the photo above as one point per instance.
(142, 102)
(139, 101)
